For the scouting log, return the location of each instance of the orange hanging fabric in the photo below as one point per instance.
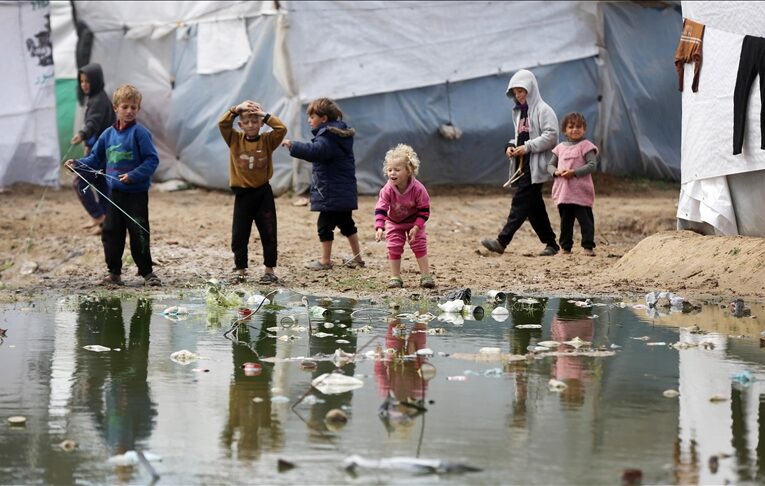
(689, 50)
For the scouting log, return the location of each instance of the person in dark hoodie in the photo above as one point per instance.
(333, 180)
(99, 115)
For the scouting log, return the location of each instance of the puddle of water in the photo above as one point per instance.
(216, 419)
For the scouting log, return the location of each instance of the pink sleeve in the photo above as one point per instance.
(382, 207)
(422, 199)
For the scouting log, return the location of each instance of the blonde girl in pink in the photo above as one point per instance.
(401, 212)
(572, 165)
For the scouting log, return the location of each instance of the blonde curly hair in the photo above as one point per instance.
(405, 153)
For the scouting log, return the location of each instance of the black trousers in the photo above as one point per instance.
(329, 220)
(528, 204)
(254, 205)
(583, 214)
(751, 64)
(117, 224)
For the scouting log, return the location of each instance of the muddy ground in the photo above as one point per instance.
(44, 249)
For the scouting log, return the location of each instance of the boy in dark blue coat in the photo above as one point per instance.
(333, 178)
(126, 154)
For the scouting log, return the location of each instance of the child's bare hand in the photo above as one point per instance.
(69, 164)
(519, 151)
(378, 234)
(567, 174)
(413, 232)
(124, 178)
(288, 145)
(76, 139)
(248, 106)
(509, 152)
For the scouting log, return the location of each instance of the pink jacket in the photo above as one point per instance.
(577, 190)
(409, 207)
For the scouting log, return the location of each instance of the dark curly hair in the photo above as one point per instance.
(574, 117)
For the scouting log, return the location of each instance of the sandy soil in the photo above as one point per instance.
(43, 248)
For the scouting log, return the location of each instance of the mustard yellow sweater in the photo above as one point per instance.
(250, 162)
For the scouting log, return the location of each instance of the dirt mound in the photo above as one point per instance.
(685, 261)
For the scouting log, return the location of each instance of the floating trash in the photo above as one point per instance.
(175, 312)
(529, 326)
(334, 383)
(184, 357)
(252, 369)
(308, 365)
(328, 325)
(319, 311)
(342, 341)
(528, 301)
(279, 399)
(717, 398)
(258, 400)
(452, 306)
(409, 464)
(335, 419)
(577, 343)
(549, 344)
(17, 420)
(321, 334)
(257, 300)
(67, 445)
(556, 385)
(659, 343)
(496, 295)
(744, 378)
(130, 458)
(671, 393)
(96, 348)
(457, 378)
(495, 372)
(424, 352)
(489, 350)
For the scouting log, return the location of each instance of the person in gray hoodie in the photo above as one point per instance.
(536, 134)
(99, 115)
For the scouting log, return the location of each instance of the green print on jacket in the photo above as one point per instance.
(114, 155)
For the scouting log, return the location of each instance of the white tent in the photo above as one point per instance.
(400, 71)
(722, 193)
(28, 141)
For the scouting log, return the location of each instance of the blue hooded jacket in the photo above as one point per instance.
(333, 177)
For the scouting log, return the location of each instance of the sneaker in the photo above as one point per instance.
(426, 282)
(152, 280)
(268, 278)
(493, 245)
(588, 252)
(317, 265)
(112, 279)
(548, 251)
(395, 283)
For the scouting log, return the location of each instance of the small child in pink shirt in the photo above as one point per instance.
(572, 165)
(401, 212)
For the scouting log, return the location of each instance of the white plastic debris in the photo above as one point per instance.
(529, 326)
(671, 393)
(489, 350)
(556, 385)
(257, 299)
(452, 305)
(528, 301)
(96, 348)
(424, 352)
(334, 383)
(184, 357)
(130, 458)
(176, 310)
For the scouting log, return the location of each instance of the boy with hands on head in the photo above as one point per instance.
(250, 169)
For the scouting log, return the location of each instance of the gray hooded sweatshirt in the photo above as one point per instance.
(543, 126)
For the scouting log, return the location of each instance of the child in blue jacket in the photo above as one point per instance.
(126, 154)
(333, 178)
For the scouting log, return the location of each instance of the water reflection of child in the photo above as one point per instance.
(520, 339)
(398, 373)
(572, 321)
(119, 392)
(242, 432)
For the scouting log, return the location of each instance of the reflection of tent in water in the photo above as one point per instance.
(722, 192)
(192, 60)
